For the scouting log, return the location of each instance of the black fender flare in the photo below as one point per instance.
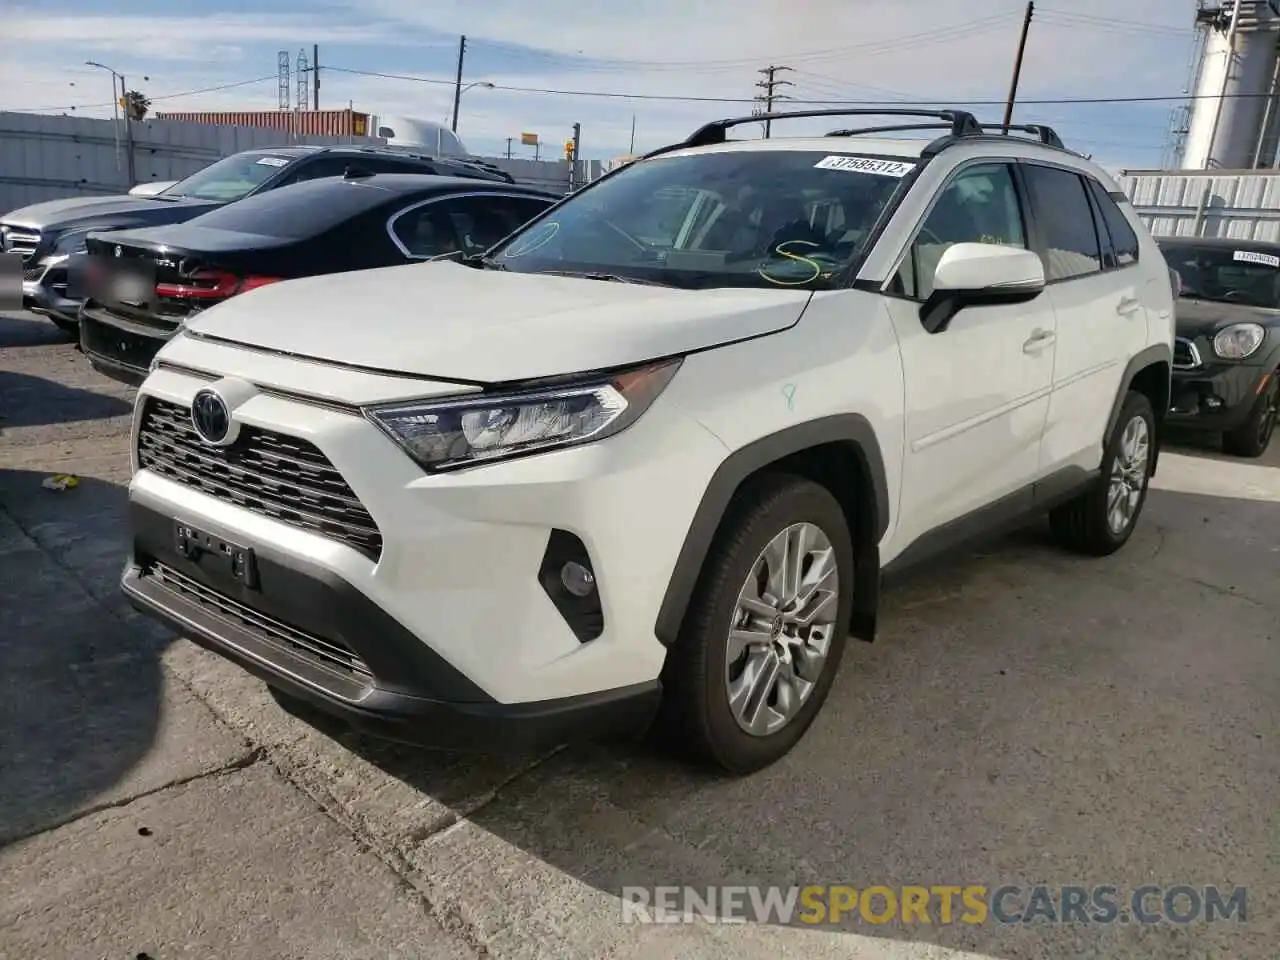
(741, 464)
(1156, 353)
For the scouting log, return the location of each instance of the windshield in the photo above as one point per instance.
(231, 177)
(1250, 277)
(778, 218)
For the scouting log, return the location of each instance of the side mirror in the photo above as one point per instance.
(980, 274)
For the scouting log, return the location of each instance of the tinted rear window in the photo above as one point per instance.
(296, 212)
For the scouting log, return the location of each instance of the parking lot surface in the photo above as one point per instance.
(1028, 717)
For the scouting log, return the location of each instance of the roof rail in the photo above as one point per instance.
(1045, 134)
(961, 121)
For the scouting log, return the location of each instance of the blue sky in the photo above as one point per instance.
(678, 68)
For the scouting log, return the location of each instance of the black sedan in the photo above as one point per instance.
(141, 285)
(50, 237)
(1226, 362)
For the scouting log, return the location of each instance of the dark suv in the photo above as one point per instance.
(47, 235)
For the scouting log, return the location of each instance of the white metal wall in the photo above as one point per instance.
(1240, 205)
(50, 158)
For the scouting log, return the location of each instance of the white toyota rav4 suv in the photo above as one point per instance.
(646, 461)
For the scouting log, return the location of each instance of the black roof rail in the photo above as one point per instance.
(960, 122)
(1045, 134)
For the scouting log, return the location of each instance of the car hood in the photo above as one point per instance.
(1203, 318)
(83, 211)
(451, 321)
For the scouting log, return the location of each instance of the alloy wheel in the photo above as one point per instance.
(782, 629)
(1128, 475)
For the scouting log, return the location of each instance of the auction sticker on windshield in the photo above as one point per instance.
(273, 161)
(884, 168)
(1248, 256)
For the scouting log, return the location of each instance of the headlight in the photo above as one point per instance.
(71, 243)
(459, 432)
(1238, 340)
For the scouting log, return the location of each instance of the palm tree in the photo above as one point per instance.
(136, 105)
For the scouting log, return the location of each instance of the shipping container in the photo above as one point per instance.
(1239, 204)
(315, 123)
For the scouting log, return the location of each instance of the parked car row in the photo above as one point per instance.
(48, 236)
(643, 456)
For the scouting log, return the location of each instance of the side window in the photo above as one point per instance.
(471, 224)
(1123, 239)
(1100, 230)
(978, 206)
(317, 169)
(1065, 221)
(526, 208)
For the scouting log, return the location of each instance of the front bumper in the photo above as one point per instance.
(44, 289)
(451, 615)
(1216, 396)
(316, 637)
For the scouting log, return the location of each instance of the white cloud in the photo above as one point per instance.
(659, 48)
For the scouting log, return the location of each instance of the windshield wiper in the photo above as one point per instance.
(607, 277)
(480, 261)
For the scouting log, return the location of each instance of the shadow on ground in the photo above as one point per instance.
(29, 330)
(27, 401)
(80, 687)
(1028, 717)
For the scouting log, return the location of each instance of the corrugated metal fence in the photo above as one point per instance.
(1240, 204)
(50, 158)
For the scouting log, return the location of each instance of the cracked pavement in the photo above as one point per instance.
(1027, 717)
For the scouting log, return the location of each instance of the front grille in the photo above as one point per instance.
(20, 240)
(1185, 354)
(271, 474)
(32, 274)
(321, 651)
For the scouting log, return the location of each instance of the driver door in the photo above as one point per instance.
(977, 393)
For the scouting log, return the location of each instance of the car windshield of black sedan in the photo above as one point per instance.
(1226, 274)
(230, 178)
(742, 218)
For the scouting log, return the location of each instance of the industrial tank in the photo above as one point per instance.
(1234, 85)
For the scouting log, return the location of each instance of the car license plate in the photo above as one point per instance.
(131, 287)
(216, 555)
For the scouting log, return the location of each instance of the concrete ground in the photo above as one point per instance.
(1028, 717)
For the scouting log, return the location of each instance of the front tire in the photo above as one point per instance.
(1100, 521)
(762, 641)
(1252, 437)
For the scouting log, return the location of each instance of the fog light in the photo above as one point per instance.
(577, 579)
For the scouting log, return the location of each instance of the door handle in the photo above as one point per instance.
(1128, 305)
(1038, 341)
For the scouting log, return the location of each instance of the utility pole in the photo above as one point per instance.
(509, 139)
(1017, 65)
(633, 134)
(457, 84)
(770, 85)
(315, 74)
(575, 147)
(128, 133)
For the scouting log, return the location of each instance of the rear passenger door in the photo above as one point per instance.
(1090, 255)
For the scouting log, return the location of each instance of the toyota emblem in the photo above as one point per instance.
(210, 417)
(119, 251)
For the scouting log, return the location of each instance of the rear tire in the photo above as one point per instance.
(1252, 437)
(1100, 521)
(745, 710)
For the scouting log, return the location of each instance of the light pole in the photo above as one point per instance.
(475, 83)
(119, 103)
(115, 102)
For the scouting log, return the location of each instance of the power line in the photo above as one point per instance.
(163, 96)
(843, 102)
